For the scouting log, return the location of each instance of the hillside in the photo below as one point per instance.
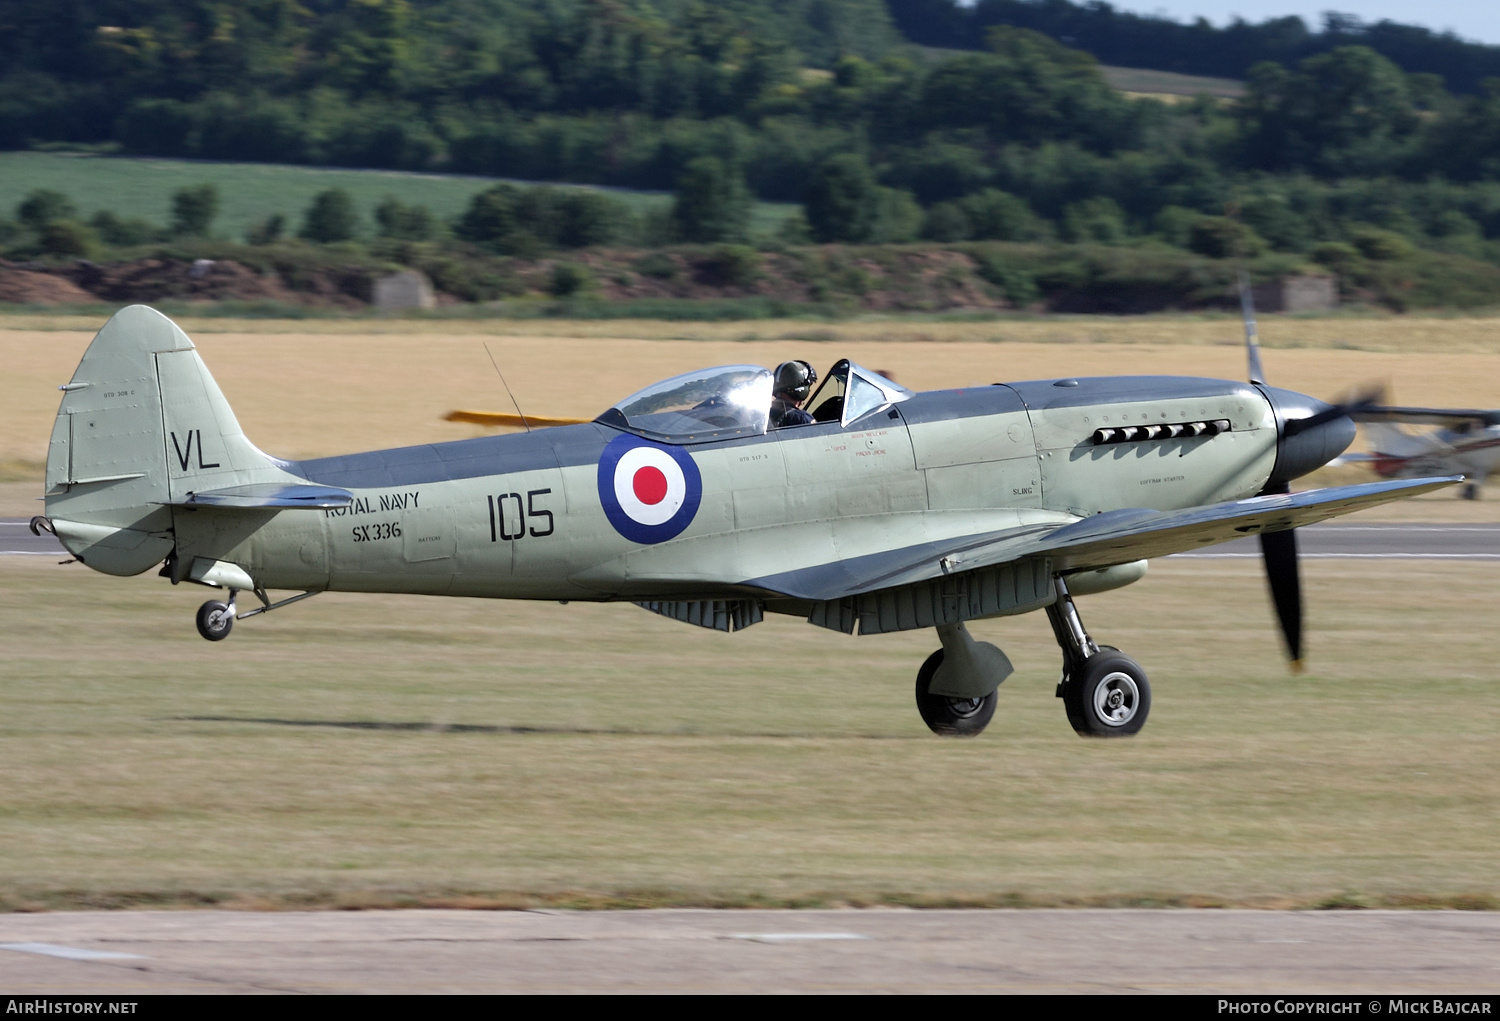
(1160, 43)
(249, 193)
(1343, 160)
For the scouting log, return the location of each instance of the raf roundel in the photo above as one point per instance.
(650, 491)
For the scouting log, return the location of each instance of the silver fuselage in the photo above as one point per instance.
(520, 516)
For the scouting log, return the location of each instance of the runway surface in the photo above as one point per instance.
(1376, 542)
(1221, 952)
(1441, 542)
(16, 540)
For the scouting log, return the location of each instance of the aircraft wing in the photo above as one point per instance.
(1425, 416)
(1114, 537)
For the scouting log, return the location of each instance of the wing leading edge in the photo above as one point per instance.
(1113, 537)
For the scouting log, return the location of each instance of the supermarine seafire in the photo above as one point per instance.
(891, 511)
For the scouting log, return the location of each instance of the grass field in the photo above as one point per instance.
(308, 389)
(364, 750)
(251, 192)
(393, 750)
(1162, 84)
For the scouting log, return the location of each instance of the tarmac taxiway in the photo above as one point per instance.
(1366, 954)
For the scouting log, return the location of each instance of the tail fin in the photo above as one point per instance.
(142, 425)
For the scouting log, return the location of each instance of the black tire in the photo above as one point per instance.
(1107, 696)
(214, 620)
(1470, 491)
(1075, 717)
(947, 716)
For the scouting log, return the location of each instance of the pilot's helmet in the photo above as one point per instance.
(794, 381)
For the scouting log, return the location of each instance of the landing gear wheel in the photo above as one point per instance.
(947, 716)
(1107, 696)
(1470, 491)
(215, 620)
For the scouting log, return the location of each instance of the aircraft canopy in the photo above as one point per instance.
(709, 404)
(735, 400)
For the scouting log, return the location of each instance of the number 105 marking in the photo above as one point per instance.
(504, 514)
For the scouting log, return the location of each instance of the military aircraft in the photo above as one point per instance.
(1465, 442)
(891, 511)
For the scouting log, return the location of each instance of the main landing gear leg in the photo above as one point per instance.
(1105, 692)
(956, 686)
(215, 619)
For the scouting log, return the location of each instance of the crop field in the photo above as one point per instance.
(392, 750)
(251, 192)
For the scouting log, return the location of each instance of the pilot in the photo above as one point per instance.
(793, 385)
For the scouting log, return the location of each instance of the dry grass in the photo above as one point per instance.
(305, 389)
(365, 750)
(1372, 332)
(497, 754)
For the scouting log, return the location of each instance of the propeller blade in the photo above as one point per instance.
(1366, 398)
(1252, 338)
(506, 419)
(1280, 552)
(1284, 577)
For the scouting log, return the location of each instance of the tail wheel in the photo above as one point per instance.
(1107, 696)
(947, 716)
(215, 619)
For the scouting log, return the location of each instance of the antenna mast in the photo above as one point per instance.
(507, 386)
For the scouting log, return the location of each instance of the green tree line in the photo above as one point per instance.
(1023, 142)
(629, 93)
(1197, 47)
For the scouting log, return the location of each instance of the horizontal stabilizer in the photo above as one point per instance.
(515, 421)
(272, 495)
